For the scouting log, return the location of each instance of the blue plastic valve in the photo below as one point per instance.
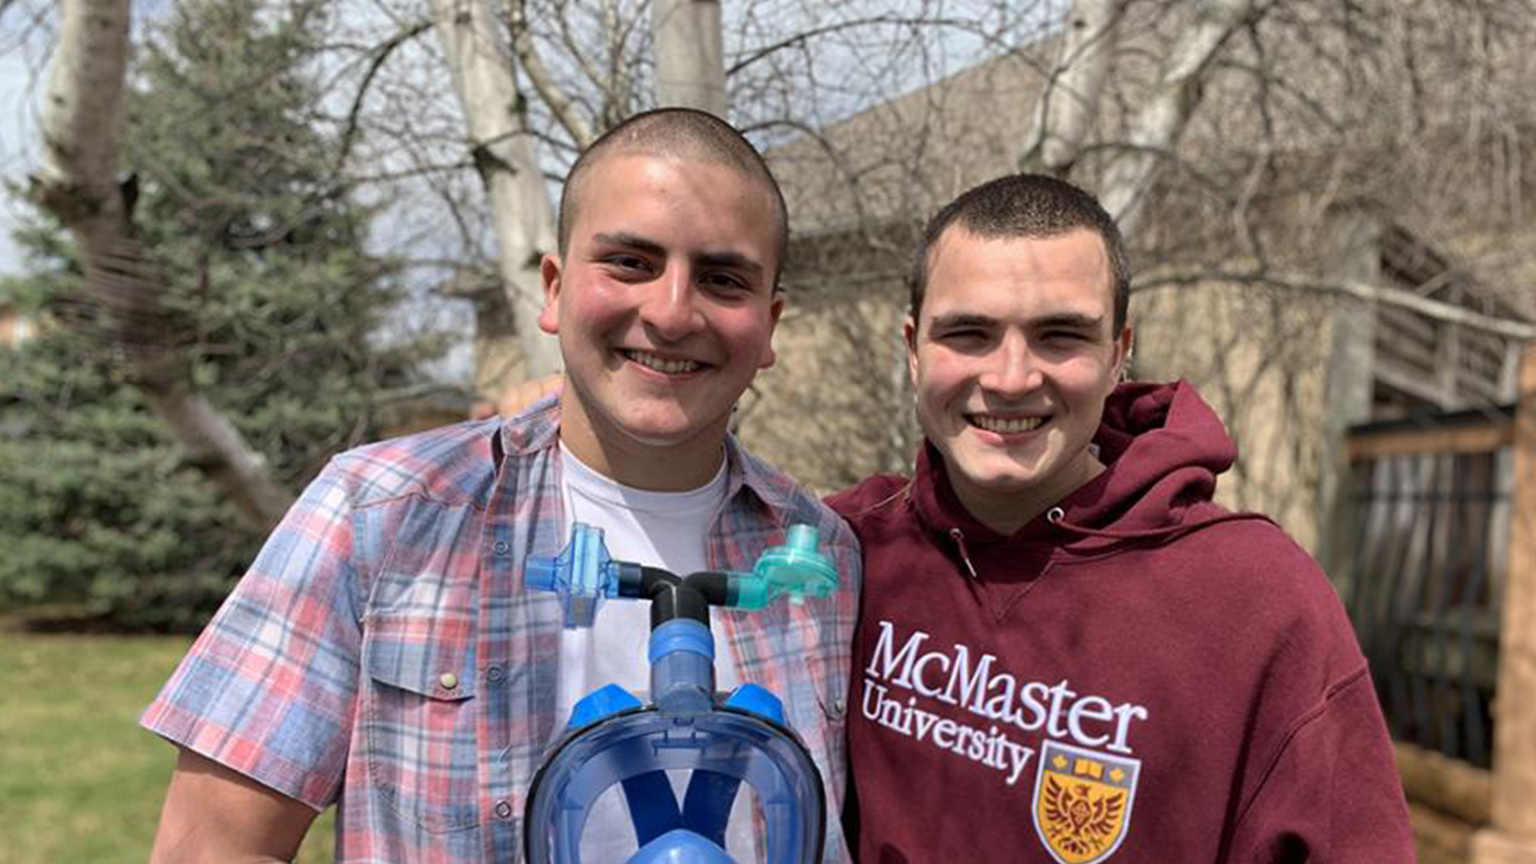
(582, 574)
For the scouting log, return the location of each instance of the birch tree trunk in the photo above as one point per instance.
(1068, 106)
(77, 182)
(1157, 126)
(505, 157)
(690, 67)
(1072, 102)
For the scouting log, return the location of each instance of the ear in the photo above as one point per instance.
(909, 332)
(1124, 346)
(775, 309)
(549, 275)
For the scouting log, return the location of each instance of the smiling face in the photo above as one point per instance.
(1011, 358)
(665, 307)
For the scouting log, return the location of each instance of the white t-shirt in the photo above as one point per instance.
(657, 529)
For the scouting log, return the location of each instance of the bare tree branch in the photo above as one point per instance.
(533, 66)
(808, 35)
(1448, 313)
(578, 54)
(77, 183)
(380, 55)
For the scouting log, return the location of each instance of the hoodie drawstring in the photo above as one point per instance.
(1058, 518)
(959, 538)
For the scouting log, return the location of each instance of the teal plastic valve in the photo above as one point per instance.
(797, 569)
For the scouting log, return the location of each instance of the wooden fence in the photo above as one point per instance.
(1437, 538)
(1430, 511)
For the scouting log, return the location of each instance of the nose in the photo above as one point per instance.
(1011, 368)
(670, 307)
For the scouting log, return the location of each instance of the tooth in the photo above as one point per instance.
(661, 364)
(1008, 426)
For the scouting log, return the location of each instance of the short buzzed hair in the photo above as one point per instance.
(1027, 205)
(682, 133)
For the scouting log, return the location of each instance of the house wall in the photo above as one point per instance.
(836, 407)
(1260, 358)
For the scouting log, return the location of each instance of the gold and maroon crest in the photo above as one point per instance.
(1083, 802)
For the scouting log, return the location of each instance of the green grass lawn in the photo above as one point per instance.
(79, 780)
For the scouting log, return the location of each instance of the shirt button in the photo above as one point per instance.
(448, 680)
(839, 705)
(500, 547)
(494, 674)
(503, 810)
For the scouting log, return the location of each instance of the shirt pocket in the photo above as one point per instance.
(419, 722)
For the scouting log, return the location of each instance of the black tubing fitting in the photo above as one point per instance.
(672, 596)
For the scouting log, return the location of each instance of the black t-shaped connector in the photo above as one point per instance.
(674, 596)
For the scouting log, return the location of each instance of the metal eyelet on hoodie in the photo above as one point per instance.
(1054, 515)
(959, 538)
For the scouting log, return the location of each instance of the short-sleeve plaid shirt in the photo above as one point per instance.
(382, 655)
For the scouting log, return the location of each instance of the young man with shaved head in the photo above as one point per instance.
(1066, 651)
(382, 654)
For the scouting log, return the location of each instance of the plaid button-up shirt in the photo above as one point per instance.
(382, 655)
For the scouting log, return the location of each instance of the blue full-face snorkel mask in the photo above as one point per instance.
(614, 738)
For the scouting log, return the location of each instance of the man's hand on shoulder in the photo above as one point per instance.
(518, 397)
(213, 813)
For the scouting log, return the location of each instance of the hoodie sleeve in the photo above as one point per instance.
(1332, 794)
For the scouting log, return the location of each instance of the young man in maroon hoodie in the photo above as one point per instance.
(1066, 651)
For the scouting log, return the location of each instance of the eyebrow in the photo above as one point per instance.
(961, 319)
(728, 260)
(1074, 320)
(1070, 319)
(630, 241)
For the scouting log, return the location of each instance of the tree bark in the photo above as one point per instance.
(77, 182)
(1070, 102)
(505, 156)
(1155, 129)
(77, 179)
(690, 69)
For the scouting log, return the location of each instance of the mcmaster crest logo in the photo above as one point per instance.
(1083, 799)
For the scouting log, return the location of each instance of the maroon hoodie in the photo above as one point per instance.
(1137, 675)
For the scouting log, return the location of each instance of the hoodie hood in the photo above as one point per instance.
(1162, 447)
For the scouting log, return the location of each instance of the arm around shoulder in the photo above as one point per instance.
(214, 813)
